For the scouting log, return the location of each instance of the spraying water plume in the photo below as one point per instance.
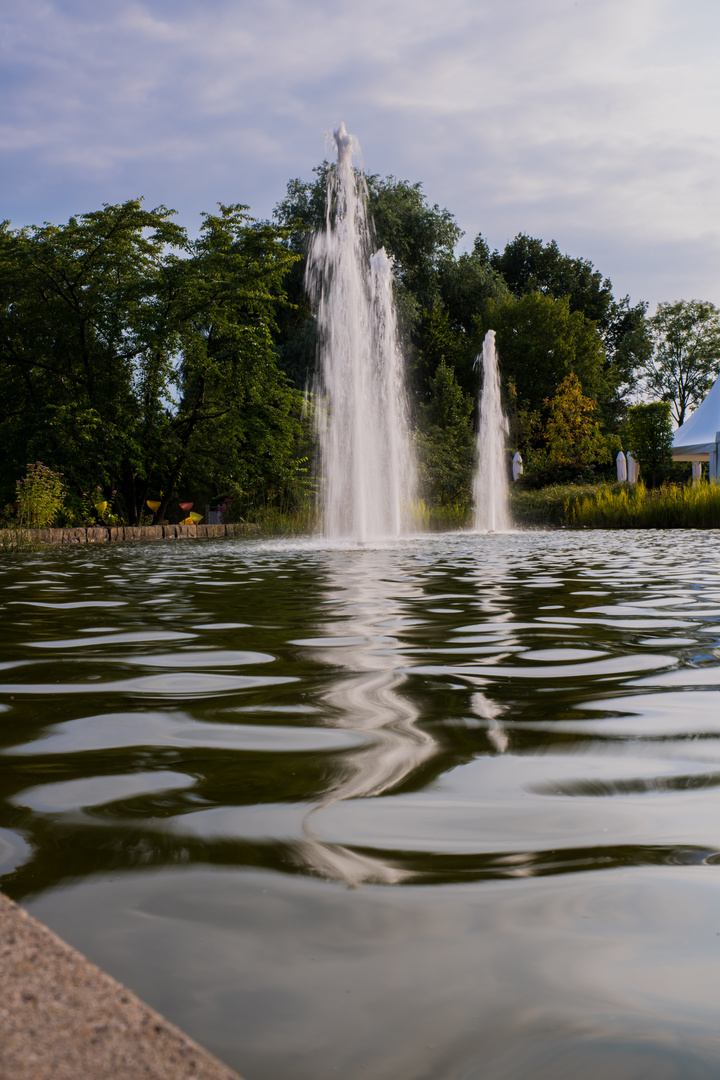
(491, 497)
(366, 463)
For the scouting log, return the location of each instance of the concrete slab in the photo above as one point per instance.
(62, 1018)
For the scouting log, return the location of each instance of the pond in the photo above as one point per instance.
(442, 809)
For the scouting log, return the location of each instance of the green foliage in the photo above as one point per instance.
(574, 441)
(547, 506)
(528, 265)
(274, 521)
(442, 518)
(139, 360)
(573, 436)
(445, 442)
(238, 418)
(617, 506)
(135, 360)
(419, 237)
(649, 438)
(540, 341)
(686, 358)
(628, 342)
(84, 345)
(449, 331)
(467, 284)
(633, 507)
(40, 495)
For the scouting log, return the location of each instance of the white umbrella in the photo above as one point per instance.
(621, 467)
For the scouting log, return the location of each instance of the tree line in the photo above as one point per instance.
(143, 364)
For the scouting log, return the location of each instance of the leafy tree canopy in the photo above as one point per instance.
(686, 357)
(445, 442)
(572, 433)
(467, 284)
(649, 438)
(540, 341)
(121, 341)
(529, 265)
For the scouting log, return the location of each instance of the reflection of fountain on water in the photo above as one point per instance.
(491, 500)
(367, 699)
(363, 429)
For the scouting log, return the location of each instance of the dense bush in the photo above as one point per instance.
(40, 495)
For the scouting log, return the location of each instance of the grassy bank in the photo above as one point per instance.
(623, 506)
(274, 522)
(548, 506)
(617, 506)
(425, 518)
(596, 506)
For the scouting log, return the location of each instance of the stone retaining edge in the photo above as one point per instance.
(62, 1018)
(120, 533)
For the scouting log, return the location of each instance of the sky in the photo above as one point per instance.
(591, 122)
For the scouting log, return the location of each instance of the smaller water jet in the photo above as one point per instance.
(491, 484)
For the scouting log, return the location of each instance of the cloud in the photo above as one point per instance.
(583, 120)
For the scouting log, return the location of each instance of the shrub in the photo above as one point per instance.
(40, 496)
(649, 437)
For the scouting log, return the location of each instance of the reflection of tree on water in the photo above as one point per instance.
(367, 700)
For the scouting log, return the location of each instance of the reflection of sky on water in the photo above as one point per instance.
(554, 977)
(511, 743)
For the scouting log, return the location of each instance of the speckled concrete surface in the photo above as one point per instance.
(62, 1018)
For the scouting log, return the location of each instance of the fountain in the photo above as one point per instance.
(491, 502)
(362, 426)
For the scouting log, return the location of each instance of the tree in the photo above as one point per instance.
(123, 345)
(419, 237)
(529, 265)
(540, 341)
(686, 357)
(85, 344)
(649, 438)
(445, 442)
(467, 283)
(573, 436)
(236, 418)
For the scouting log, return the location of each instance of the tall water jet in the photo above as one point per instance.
(491, 495)
(366, 462)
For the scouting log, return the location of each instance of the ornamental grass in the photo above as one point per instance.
(627, 506)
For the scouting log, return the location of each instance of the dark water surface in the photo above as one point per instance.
(447, 809)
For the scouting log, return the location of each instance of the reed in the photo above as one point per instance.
(273, 521)
(450, 516)
(548, 506)
(625, 506)
(426, 517)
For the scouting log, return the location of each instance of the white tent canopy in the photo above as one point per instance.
(696, 440)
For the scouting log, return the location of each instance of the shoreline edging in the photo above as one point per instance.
(103, 534)
(63, 1018)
